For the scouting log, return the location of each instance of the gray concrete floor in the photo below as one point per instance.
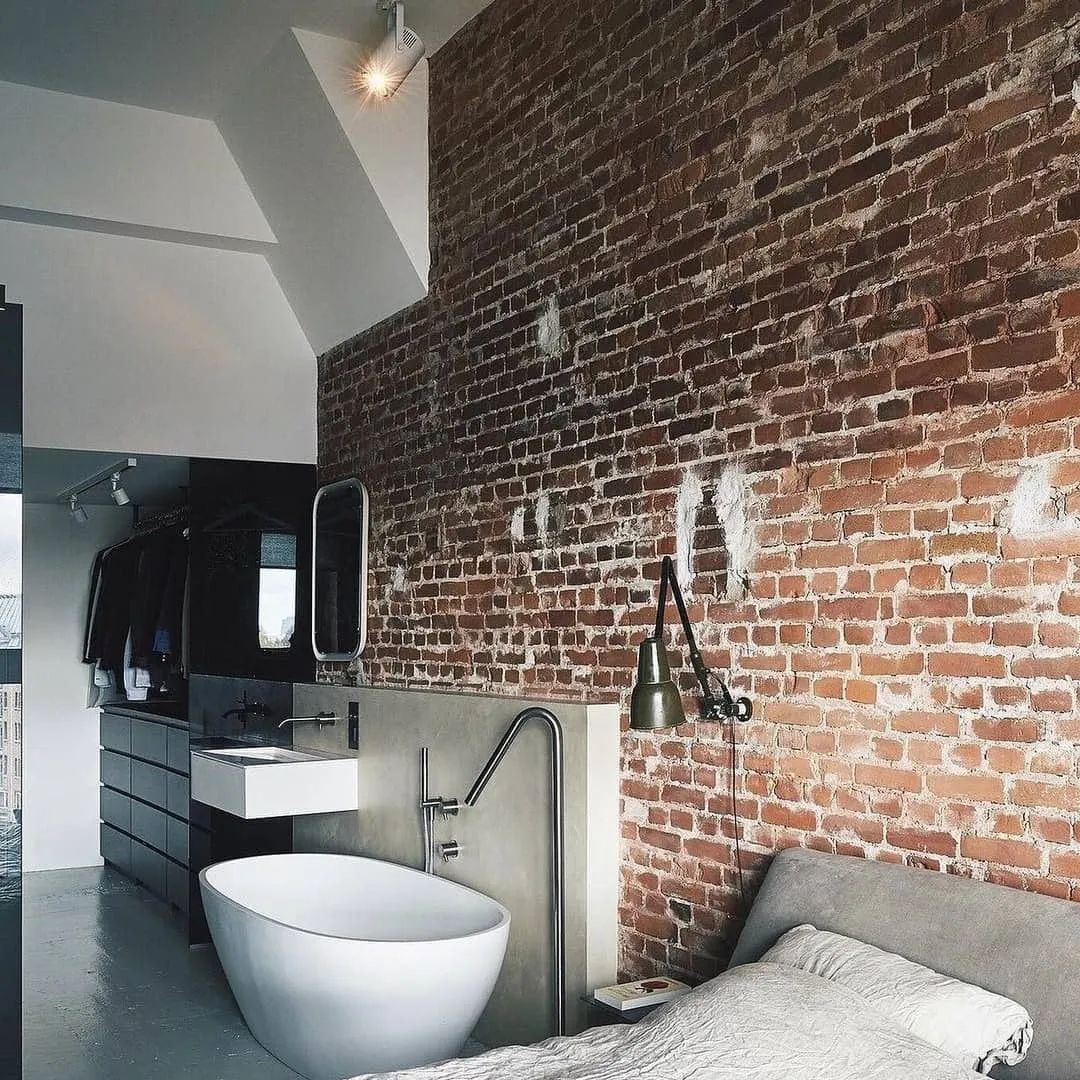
(112, 992)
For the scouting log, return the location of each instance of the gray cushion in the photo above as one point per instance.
(1021, 945)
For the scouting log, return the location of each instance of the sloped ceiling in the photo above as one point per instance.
(185, 56)
(193, 202)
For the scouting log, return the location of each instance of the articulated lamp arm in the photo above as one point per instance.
(656, 704)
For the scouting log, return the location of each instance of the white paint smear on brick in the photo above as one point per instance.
(517, 524)
(1036, 507)
(687, 502)
(543, 509)
(731, 500)
(549, 328)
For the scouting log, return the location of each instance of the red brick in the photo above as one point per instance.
(1008, 852)
(884, 776)
(967, 665)
(973, 788)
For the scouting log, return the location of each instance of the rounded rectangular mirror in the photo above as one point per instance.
(339, 571)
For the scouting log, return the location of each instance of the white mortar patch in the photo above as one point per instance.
(904, 697)
(731, 500)
(397, 578)
(549, 328)
(1035, 507)
(708, 281)
(689, 499)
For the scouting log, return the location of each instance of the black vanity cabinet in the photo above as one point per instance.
(150, 830)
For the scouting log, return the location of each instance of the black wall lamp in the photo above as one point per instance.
(656, 702)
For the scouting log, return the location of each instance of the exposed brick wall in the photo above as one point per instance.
(791, 289)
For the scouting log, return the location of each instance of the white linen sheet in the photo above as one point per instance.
(979, 1028)
(755, 1022)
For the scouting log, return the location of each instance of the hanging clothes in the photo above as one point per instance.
(147, 597)
(110, 619)
(169, 626)
(135, 618)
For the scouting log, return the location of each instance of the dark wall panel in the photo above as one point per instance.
(234, 505)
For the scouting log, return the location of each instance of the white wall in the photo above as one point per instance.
(159, 348)
(60, 735)
(153, 320)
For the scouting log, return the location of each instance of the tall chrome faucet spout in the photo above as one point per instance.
(558, 836)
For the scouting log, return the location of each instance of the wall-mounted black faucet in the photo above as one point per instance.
(245, 709)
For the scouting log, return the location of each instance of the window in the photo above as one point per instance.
(277, 590)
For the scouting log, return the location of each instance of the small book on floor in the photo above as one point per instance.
(635, 995)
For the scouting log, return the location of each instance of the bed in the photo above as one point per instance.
(762, 1021)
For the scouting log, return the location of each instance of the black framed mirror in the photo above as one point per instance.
(339, 571)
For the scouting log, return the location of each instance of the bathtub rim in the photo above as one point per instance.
(502, 924)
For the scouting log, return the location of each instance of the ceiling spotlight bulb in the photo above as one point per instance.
(398, 53)
(78, 514)
(120, 496)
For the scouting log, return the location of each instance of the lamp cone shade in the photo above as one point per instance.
(655, 702)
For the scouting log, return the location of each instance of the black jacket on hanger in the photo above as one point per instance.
(137, 588)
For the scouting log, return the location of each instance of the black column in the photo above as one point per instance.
(11, 371)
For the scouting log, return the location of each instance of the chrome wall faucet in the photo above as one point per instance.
(430, 805)
(323, 719)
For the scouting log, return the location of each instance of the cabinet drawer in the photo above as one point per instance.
(149, 825)
(176, 844)
(149, 867)
(149, 783)
(179, 750)
(115, 770)
(176, 881)
(178, 795)
(116, 848)
(116, 732)
(150, 741)
(115, 809)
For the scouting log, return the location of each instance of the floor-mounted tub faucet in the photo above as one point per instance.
(430, 805)
(558, 837)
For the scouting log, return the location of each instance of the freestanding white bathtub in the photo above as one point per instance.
(343, 965)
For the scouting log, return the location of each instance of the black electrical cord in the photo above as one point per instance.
(732, 742)
(723, 708)
(735, 817)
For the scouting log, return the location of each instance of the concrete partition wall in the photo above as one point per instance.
(505, 839)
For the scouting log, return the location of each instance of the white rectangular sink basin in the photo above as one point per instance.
(272, 781)
(257, 755)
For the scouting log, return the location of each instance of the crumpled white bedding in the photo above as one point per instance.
(755, 1022)
(975, 1026)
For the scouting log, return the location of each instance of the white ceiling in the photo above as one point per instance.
(184, 56)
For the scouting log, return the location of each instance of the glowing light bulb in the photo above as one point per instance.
(377, 82)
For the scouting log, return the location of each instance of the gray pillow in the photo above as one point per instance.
(980, 1028)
